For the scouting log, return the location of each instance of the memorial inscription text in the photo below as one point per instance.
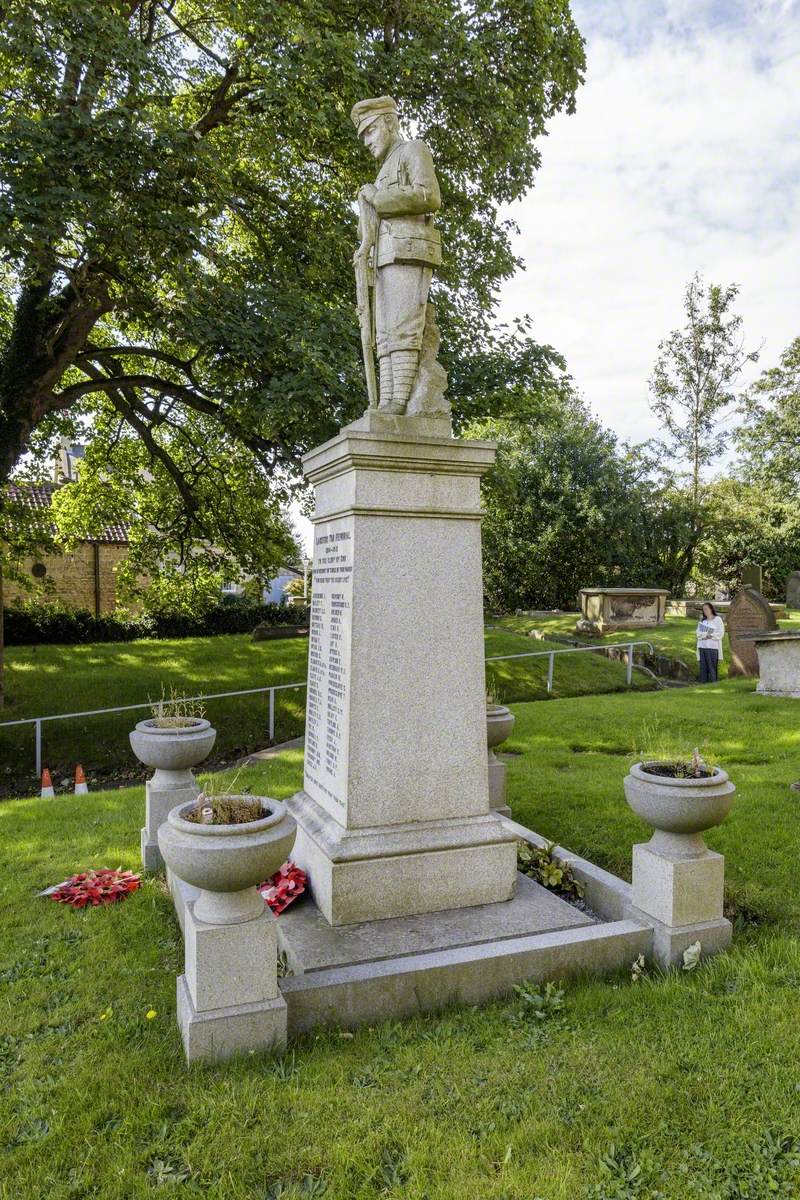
(329, 664)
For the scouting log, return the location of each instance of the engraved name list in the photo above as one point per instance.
(329, 665)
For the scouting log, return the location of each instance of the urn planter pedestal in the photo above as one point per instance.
(228, 998)
(677, 881)
(499, 727)
(173, 752)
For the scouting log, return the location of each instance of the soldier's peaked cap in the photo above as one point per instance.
(364, 112)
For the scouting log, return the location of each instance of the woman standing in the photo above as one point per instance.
(710, 632)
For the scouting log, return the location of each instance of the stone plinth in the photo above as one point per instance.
(681, 895)
(778, 663)
(158, 802)
(749, 613)
(394, 815)
(605, 609)
(228, 1000)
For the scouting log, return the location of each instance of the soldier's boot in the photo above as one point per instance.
(404, 372)
(385, 366)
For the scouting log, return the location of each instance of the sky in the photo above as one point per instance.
(683, 155)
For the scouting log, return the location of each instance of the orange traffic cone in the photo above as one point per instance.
(47, 785)
(81, 787)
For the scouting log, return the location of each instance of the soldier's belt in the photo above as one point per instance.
(423, 246)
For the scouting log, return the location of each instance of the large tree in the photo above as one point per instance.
(566, 508)
(177, 226)
(693, 396)
(769, 438)
(176, 185)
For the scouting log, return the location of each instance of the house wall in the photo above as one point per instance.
(73, 576)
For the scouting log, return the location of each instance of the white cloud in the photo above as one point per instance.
(684, 154)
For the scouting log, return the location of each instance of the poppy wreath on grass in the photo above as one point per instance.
(91, 888)
(285, 886)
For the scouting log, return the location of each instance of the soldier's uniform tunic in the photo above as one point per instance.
(407, 247)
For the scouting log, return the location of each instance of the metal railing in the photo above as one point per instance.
(97, 712)
(279, 687)
(551, 655)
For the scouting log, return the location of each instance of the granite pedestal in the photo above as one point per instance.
(228, 1001)
(162, 793)
(394, 816)
(681, 894)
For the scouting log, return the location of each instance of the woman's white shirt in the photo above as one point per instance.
(715, 627)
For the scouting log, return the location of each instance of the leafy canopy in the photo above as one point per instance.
(177, 225)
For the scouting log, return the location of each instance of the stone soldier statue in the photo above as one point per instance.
(402, 245)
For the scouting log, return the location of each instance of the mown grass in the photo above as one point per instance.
(681, 1085)
(52, 679)
(676, 638)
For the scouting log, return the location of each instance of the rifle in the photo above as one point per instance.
(366, 232)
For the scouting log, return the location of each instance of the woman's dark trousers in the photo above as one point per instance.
(708, 666)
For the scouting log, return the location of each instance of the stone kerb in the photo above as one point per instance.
(749, 613)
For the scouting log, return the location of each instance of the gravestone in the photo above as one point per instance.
(793, 590)
(749, 613)
(752, 576)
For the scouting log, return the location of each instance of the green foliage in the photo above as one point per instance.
(692, 393)
(539, 1002)
(692, 385)
(566, 509)
(769, 439)
(752, 519)
(538, 863)
(36, 622)
(176, 186)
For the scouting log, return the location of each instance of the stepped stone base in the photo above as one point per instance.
(380, 970)
(388, 871)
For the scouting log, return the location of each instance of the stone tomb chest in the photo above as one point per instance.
(606, 609)
(749, 613)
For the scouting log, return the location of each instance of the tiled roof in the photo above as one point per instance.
(40, 495)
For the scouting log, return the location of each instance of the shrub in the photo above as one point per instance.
(52, 622)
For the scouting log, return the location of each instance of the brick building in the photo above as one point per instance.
(82, 578)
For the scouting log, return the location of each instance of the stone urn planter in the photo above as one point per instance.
(226, 861)
(678, 883)
(679, 810)
(173, 750)
(499, 725)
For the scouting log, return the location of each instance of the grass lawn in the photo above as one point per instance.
(678, 1086)
(676, 638)
(52, 679)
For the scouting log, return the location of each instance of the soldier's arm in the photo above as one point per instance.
(419, 194)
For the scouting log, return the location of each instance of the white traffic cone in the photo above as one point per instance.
(47, 785)
(81, 786)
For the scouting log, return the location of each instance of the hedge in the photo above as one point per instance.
(46, 624)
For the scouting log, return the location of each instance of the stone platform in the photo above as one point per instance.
(397, 967)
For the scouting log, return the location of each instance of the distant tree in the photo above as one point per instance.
(566, 508)
(747, 521)
(769, 439)
(693, 396)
